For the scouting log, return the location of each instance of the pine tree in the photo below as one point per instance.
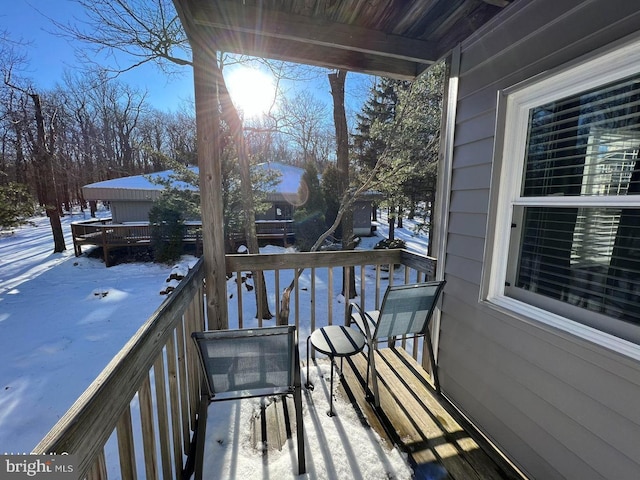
(380, 107)
(309, 220)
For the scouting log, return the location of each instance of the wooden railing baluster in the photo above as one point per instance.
(163, 416)
(182, 379)
(126, 448)
(174, 398)
(148, 430)
(239, 301)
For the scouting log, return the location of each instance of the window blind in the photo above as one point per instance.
(587, 257)
(585, 145)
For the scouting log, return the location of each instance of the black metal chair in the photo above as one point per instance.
(249, 363)
(405, 310)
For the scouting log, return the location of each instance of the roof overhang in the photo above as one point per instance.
(396, 38)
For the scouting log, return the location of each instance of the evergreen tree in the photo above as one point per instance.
(331, 196)
(178, 202)
(380, 107)
(16, 205)
(309, 221)
(401, 126)
(312, 190)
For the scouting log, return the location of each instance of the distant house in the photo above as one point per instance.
(131, 198)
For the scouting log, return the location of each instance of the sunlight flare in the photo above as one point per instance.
(253, 91)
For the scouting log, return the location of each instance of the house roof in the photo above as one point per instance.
(395, 38)
(288, 184)
(134, 188)
(143, 188)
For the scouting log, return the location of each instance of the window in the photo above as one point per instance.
(568, 209)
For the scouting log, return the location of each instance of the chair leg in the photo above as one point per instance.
(374, 378)
(308, 385)
(368, 370)
(201, 436)
(297, 401)
(330, 412)
(434, 367)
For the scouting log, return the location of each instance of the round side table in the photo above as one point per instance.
(334, 341)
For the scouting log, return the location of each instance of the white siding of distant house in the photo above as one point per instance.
(128, 211)
(559, 406)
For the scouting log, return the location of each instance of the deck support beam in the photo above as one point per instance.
(207, 75)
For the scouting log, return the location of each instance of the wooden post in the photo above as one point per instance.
(209, 163)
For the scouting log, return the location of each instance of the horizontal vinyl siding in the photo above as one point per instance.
(470, 201)
(130, 211)
(525, 381)
(558, 406)
(464, 246)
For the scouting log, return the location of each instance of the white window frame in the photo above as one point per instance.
(514, 106)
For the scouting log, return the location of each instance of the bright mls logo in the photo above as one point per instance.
(50, 467)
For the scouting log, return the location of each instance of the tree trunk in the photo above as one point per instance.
(234, 122)
(400, 209)
(45, 166)
(392, 227)
(337, 81)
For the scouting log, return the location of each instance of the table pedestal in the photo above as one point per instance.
(334, 341)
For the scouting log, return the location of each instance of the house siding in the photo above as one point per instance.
(130, 211)
(557, 405)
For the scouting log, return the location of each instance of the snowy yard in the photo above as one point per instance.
(63, 318)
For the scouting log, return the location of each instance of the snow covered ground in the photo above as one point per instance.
(63, 318)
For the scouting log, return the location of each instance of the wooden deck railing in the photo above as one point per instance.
(157, 370)
(109, 235)
(103, 233)
(374, 270)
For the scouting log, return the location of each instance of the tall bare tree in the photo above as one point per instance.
(43, 146)
(337, 81)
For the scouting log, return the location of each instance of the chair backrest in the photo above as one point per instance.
(407, 309)
(249, 362)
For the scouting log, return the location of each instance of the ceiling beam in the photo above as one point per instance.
(299, 52)
(244, 19)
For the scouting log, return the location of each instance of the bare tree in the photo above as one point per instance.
(337, 80)
(43, 145)
(144, 31)
(305, 123)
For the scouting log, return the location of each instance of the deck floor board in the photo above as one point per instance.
(420, 422)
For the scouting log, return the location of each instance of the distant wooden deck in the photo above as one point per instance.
(109, 236)
(439, 442)
(103, 233)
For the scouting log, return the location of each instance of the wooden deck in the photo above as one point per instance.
(439, 442)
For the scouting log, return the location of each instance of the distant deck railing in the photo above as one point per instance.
(278, 231)
(161, 356)
(103, 233)
(108, 235)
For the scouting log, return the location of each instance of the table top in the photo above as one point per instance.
(337, 340)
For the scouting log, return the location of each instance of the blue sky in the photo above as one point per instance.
(50, 56)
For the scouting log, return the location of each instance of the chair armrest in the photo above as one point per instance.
(366, 318)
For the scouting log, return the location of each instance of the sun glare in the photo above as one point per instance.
(253, 92)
